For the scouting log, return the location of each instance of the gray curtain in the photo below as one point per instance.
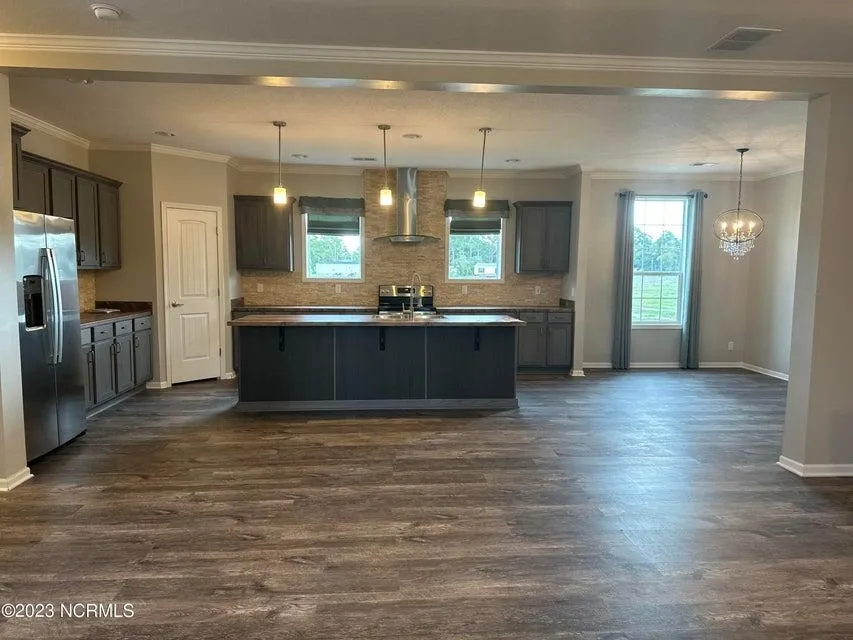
(689, 354)
(621, 352)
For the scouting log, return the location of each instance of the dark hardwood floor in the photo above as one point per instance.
(640, 505)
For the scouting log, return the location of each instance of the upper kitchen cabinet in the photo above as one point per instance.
(86, 214)
(18, 132)
(109, 235)
(543, 233)
(33, 185)
(63, 193)
(264, 234)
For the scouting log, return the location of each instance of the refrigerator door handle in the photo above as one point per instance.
(49, 302)
(56, 292)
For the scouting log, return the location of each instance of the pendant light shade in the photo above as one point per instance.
(479, 200)
(279, 194)
(737, 229)
(386, 196)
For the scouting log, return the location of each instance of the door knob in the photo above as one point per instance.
(176, 304)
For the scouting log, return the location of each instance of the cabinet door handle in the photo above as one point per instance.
(82, 255)
(103, 257)
(281, 344)
(118, 347)
(476, 340)
(382, 339)
(90, 356)
(135, 342)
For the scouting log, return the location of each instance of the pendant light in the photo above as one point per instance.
(738, 228)
(386, 197)
(279, 194)
(479, 195)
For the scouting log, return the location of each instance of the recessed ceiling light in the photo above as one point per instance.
(363, 159)
(412, 136)
(105, 11)
(298, 156)
(703, 164)
(512, 160)
(80, 81)
(164, 134)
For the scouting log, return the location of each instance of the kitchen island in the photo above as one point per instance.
(326, 362)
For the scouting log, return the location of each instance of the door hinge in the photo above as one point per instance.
(220, 350)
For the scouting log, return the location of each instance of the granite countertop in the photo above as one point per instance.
(356, 309)
(333, 320)
(93, 319)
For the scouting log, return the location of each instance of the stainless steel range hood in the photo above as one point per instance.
(407, 209)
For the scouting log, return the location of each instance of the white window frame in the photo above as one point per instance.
(501, 253)
(646, 324)
(307, 278)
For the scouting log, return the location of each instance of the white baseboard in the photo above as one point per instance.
(577, 373)
(816, 470)
(597, 365)
(10, 482)
(157, 384)
(654, 365)
(766, 372)
(720, 365)
(228, 375)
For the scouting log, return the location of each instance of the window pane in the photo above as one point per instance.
(669, 310)
(474, 256)
(651, 286)
(669, 286)
(637, 286)
(650, 310)
(333, 247)
(636, 305)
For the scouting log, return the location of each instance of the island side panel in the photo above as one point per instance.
(286, 364)
(380, 363)
(471, 362)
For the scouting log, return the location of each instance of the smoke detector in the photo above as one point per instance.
(412, 136)
(106, 11)
(703, 164)
(364, 158)
(165, 134)
(298, 156)
(742, 38)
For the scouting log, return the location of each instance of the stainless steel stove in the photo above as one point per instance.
(405, 299)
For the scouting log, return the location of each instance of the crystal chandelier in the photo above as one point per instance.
(738, 228)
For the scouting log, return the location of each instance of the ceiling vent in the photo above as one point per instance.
(364, 159)
(742, 38)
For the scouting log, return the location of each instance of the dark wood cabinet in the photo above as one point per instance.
(543, 236)
(89, 375)
(18, 132)
(380, 363)
(123, 356)
(263, 234)
(105, 376)
(34, 186)
(471, 362)
(88, 250)
(533, 345)
(63, 193)
(142, 370)
(286, 364)
(560, 345)
(109, 236)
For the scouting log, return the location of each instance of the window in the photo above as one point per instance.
(659, 259)
(475, 248)
(333, 246)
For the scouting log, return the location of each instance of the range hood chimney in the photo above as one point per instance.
(407, 209)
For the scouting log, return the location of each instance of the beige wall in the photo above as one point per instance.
(724, 282)
(772, 269)
(13, 457)
(135, 280)
(385, 262)
(55, 148)
(182, 180)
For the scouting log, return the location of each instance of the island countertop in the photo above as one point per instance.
(332, 320)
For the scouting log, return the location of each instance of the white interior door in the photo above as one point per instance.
(193, 294)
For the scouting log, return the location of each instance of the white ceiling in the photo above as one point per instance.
(603, 133)
(817, 30)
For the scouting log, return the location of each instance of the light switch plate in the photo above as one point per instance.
(538, 290)
(464, 289)
(260, 287)
(338, 288)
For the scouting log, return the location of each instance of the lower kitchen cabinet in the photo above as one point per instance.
(546, 341)
(117, 362)
(560, 345)
(532, 345)
(471, 362)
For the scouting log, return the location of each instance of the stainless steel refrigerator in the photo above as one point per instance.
(49, 327)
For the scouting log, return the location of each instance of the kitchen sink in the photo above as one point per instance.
(399, 316)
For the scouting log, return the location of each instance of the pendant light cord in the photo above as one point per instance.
(385, 155)
(279, 154)
(483, 158)
(740, 183)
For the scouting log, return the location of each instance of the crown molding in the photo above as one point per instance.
(779, 173)
(39, 43)
(189, 153)
(247, 166)
(513, 174)
(31, 122)
(668, 177)
(107, 146)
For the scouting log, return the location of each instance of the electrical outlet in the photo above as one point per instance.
(464, 289)
(538, 290)
(731, 345)
(338, 288)
(260, 287)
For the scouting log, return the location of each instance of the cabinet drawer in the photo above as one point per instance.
(85, 336)
(560, 316)
(532, 316)
(103, 332)
(142, 323)
(123, 327)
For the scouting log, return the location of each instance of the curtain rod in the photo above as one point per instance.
(621, 194)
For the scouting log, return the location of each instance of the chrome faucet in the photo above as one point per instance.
(413, 297)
